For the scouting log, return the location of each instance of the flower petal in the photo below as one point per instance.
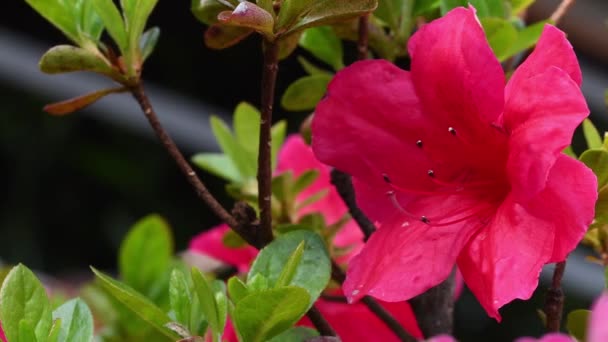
(598, 329)
(490, 267)
(553, 337)
(568, 202)
(404, 258)
(455, 72)
(541, 115)
(552, 49)
(211, 243)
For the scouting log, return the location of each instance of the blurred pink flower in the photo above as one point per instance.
(298, 157)
(2, 337)
(456, 167)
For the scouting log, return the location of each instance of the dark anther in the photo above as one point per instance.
(386, 179)
(431, 173)
(452, 130)
(419, 143)
(424, 219)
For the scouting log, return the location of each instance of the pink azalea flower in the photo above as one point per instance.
(2, 337)
(298, 157)
(457, 168)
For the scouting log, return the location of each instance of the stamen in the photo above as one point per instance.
(431, 173)
(419, 143)
(386, 179)
(452, 130)
(424, 219)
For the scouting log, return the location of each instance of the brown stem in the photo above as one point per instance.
(343, 184)
(561, 11)
(386, 317)
(199, 187)
(434, 309)
(269, 77)
(554, 302)
(320, 323)
(363, 40)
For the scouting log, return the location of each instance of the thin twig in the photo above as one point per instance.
(320, 323)
(386, 317)
(554, 302)
(363, 39)
(434, 309)
(269, 78)
(561, 11)
(199, 187)
(343, 184)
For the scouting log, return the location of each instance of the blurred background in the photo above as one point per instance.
(74, 185)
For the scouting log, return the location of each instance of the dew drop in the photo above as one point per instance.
(419, 143)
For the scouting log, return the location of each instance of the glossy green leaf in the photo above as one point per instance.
(207, 10)
(389, 11)
(601, 206)
(137, 303)
(180, 298)
(597, 160)
(301, 14)
(76, 321)
(206, 299)
(277, 133)
(518, 6)
(68, 58)
(218, 164)
(247, 127)
(323, 43)
(258, 283)
(570, 152)
(24, 299)
(296, 334)
(219, 289)
(249, 15)
(136, 13)
(424, 6)
(313, 271)
(592, 135)
(113, 22)
(26, 332)
(305, 93)
(148, 42)
(312, 69)
(489, 8)
(237, 289)
(291, 266)
(576, 323)
(55, 330)
(244, 162)
(263, 315)
(501, 35)
(90, 23)
(526, 38)
(305, 180)
(448, 5)
(146, 253)
(57, 13)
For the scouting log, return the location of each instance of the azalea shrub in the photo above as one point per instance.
(402, 187)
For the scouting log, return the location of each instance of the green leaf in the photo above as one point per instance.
(592, 135)
(323, 43)
(113, 22)
(263, 315)
(570, 152)
(148, 41)
(219, 289)
(305, 180)
(389, 11)
(448, 5)
(57, 13)
(526, 38)
(237, 289)
(601, 206)
(68, 58)
(312, 69)
(247, 127)
(576, 323)
(424, 6)
(597, 160)
(313, 271)
(301, 14)
(277, 133)
(206, 299)
(257, 283)
(136, 13)
(218, 164)
(24, 299)
(296, 334)
(90, 24)
(305, 93)
(180, 298)
(245, 163)
(289, 271)
(137, 303)
(55, 330)
(518, 6)
(76, 321)
(489, 8)
(26, 332)
(207, 10)
(501, 35)
(146, 253)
